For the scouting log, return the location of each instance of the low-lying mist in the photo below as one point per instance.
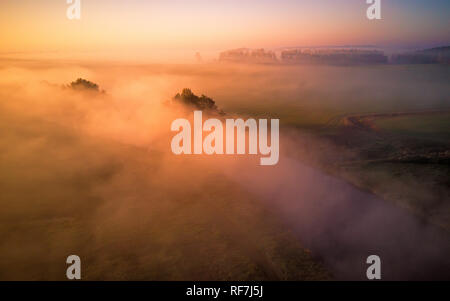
(92, 174)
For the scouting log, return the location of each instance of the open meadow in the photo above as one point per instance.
(91, 172)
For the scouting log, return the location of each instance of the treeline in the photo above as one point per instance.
(439, 55)
(336, 56)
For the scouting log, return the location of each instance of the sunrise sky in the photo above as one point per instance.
(132, 26)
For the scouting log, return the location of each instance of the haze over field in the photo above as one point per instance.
(86, 166)
(92, 172)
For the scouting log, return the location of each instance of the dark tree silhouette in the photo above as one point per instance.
(82, 84)
(203, 102)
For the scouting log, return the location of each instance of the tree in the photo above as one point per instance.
(203, 103)
(82, 84)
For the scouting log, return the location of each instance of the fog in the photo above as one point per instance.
(93, 174)
(344, 225)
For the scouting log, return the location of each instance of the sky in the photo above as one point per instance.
(130, 27)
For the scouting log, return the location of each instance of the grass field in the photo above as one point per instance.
(435, 127)
(67, 193)
(79, 175)
(403, 159)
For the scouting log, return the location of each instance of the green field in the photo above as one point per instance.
(403, 159)
(425, 126)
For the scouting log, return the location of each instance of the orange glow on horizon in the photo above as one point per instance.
(133, 28)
